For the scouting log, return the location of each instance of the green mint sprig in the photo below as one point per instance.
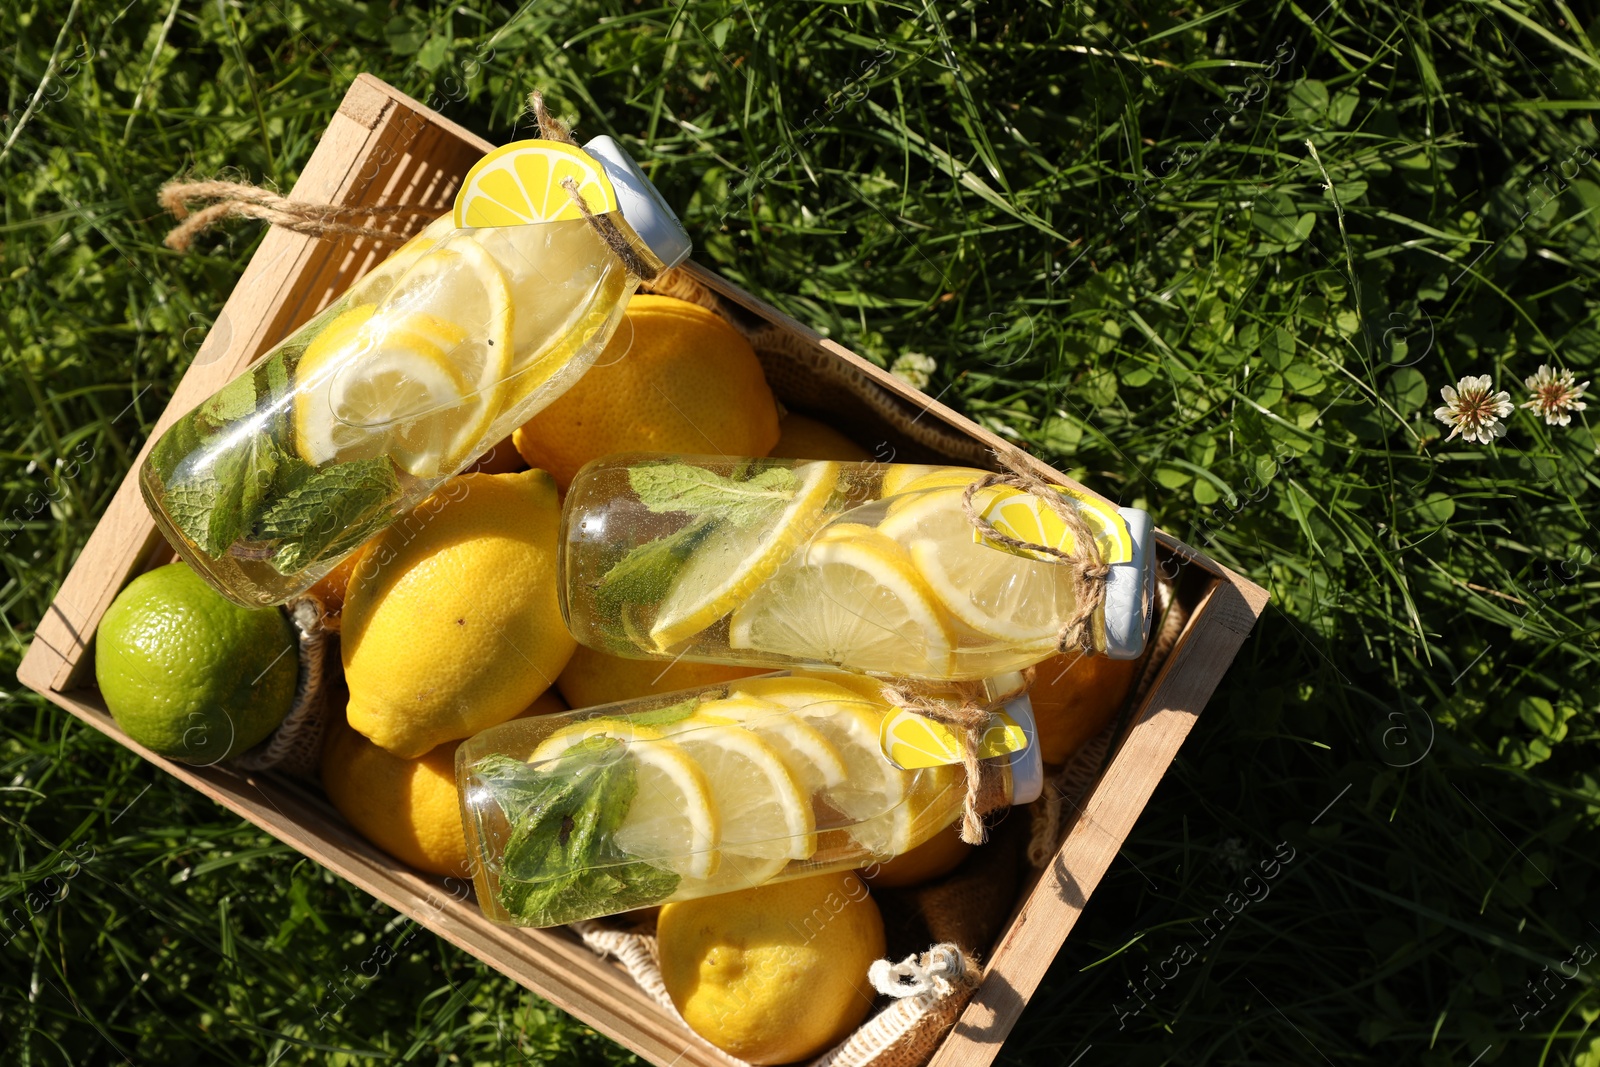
(251, 488)
(738, 501)
(644, 575)
(555, 868)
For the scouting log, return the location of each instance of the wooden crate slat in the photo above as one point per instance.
(1027, 948)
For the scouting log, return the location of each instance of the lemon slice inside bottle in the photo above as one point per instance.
(911, 477)
(1001, 595)
(377, 282)
(671, 821)
(766, 820)
(854, 599)
(461, 284)
(892, 811)
(418, 376)
(733, 561)
(810, 757)
(935, 793)
(911, 490)
(521, 182)
(366, 389)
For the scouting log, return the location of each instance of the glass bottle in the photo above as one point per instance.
(865, 567)
(438, 353)
(671, 797)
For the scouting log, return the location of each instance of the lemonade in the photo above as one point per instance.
(706, 791)
(865, 567)
(442, 350)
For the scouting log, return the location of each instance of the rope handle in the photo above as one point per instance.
(938, 972)
(243, 200)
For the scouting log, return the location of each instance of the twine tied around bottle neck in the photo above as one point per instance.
(1089, 574)
(243, 200)
(966, 708)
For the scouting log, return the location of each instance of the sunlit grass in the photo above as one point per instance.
(1107, 227)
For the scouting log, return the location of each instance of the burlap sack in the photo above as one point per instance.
(967, 907)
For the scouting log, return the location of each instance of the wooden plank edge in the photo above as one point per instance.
(1034, 938)
(116, 544)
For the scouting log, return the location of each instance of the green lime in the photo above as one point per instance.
(190, 674)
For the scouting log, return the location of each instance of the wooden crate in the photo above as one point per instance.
(383, 147)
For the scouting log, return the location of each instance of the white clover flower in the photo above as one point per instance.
(1472, 410)
(1555, 395)
(915, 369)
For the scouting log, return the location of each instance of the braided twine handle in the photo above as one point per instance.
(243, 200)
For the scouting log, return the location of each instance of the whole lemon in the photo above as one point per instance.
(592, 678)
(802, 437)
(407, 807)
(330, 590)
(1075, 697)
(450, 623)
(777, 973)
(189, 674)
(675, 378)
(934, 858)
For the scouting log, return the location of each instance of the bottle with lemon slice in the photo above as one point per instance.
(727, 787)
(874, 568)
(460, 336)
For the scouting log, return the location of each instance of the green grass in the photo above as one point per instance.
(1169, 294)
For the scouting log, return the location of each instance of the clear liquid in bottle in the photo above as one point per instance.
(629, 805)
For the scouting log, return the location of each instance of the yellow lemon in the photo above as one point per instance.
(675, 378)
(802, 437)
(521, 182)
(934, 858)
(733, 562)
(593, 678)
(914, 477)
(675, 817)
(407, 807)
(851, 726)
(855, 599)
(1075, 697)
(418, 376)
(451, 624)
(377, 283)
(1002, 596)
(766, 819)
(817, 766)
(777, 973)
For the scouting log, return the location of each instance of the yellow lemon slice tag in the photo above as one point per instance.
(912, 741)
(1018, 513)
(521, 183)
